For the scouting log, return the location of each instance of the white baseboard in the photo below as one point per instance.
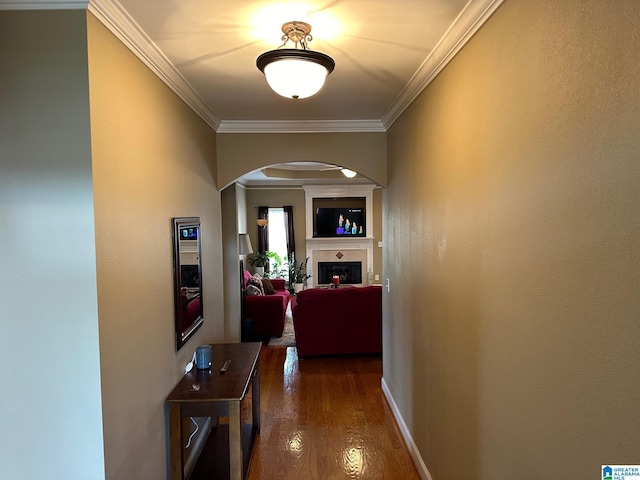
(408, 439)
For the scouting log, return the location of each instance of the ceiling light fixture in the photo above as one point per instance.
(295, 72)
(348, 173)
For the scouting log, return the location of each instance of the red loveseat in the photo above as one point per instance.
(337, 321)
(267, 312)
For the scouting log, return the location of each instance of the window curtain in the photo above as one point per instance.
(263, 235)
(288, 227)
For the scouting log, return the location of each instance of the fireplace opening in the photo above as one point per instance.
(348, 272)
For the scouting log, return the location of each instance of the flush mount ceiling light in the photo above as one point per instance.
(295, 72)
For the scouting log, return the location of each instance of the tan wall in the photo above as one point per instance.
(153, 159)
(377, 235)
(51, 419)
(240, 153)
(511, 233)
(276, 198)
(233, 206)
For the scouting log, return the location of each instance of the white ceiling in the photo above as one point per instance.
(385, 51)
(377, 47)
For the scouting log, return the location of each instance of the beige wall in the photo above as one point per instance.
(50, 423)
(153, 159)
(511, 230)
(241, 207)
(377, 235)
(233, 207)
(240, 153)
(277, 198)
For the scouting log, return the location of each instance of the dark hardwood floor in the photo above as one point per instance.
(326, 418)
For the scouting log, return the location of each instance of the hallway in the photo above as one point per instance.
(326, 418)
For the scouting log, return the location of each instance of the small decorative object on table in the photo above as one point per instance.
(203, 357)
(335, 281)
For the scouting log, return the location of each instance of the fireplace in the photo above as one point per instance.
(348, 272)
(351, 253)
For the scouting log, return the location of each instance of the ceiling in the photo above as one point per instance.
(377, 46)
(385, 52)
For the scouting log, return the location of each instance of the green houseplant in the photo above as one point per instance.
(297, 273)
(278, 266)
(259, 261)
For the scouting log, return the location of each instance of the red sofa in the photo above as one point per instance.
(267, 312)
(336, 321)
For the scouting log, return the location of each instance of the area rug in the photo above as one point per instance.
(288, 338)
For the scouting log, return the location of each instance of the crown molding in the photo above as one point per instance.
(261, 186)
(42, 5)
(468, 22)
(304, 126)
(117, 20)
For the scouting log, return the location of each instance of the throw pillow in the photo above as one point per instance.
(256, 281)
(252, 291)
(247, 277)
(268, 287)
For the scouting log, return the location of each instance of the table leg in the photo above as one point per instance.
(175, 442)
(255, 397)
(235, 441)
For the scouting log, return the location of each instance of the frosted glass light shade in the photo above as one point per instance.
(293, 78)
(295, 73)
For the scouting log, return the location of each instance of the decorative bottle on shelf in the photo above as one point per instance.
(347, 226)
(340, 229)
(354, 229)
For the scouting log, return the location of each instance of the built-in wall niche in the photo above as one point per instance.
(339, 217)
(339, 248)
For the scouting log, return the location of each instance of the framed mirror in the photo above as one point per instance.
(187, 277)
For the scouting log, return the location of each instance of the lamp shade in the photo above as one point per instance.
(348, 173)
(295, 73)
(244, 243)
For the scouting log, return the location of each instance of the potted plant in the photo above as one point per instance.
(297, 273)
(258, 261)
(277, 266)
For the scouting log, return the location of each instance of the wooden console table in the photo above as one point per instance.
(218, 395)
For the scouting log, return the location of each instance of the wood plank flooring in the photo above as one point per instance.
(325, 419)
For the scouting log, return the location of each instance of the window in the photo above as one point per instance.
(277, 241)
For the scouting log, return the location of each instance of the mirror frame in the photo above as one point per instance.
(185, 292)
